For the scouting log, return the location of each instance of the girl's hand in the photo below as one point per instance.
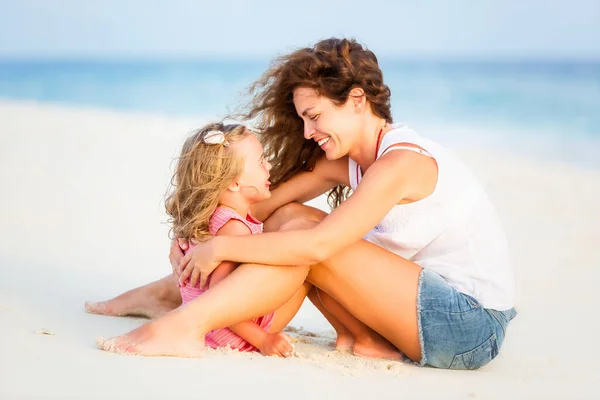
(178, 246)
(277, 344)
(198, 264)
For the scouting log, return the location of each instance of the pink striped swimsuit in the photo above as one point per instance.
(225, 337)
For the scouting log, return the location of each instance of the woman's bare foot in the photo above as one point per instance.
(150, 301)
(121, 307)
(344, 342)
(165, 337)
(375, 346)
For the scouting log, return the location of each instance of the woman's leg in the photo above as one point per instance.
(373, 284)
(285, 313)
(181, 332)
(368, 342)
(344, 338)
(280, 220)
(377, 287)
(191, 342)
(150, 301)
(351, 333)
(292, 213)
(365, 341)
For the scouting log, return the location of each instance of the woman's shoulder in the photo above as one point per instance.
(401, 133)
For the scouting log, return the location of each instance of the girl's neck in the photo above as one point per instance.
(239, 207)
(364, 152)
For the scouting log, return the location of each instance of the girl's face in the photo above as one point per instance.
(254, 180)
(334, 128)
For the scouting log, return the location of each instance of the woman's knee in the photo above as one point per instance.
(292, 211)
(298, 224)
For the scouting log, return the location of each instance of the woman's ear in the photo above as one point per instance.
(357, 95)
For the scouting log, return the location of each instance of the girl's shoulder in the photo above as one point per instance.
(222, 215)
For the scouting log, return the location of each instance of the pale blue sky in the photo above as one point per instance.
(236, 28)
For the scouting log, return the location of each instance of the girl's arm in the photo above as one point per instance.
(305, 186)
(396, 176)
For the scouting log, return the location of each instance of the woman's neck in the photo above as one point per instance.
(364, 152)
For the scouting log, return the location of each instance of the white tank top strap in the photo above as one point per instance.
(396, 139)
(353, 172)
(400, 147)
(400, 137)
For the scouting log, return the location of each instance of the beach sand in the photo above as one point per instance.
(81, 218)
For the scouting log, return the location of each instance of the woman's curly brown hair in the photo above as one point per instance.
(333, 67)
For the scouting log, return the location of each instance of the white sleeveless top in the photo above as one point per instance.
(454, 232)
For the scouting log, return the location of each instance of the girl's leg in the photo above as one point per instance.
(385, 299)
(150, 301)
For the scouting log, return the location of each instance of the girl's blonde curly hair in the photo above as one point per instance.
(204, 170)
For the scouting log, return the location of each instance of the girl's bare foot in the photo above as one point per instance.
(150, 301)
(162, 337)
(375, 346)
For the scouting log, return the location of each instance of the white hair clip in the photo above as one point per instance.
(215, 137)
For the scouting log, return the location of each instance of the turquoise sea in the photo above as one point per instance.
(549, 109)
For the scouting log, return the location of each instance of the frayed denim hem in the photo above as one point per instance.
(423, 361)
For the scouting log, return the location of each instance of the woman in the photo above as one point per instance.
(416, 252)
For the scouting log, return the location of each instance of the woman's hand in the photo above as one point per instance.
(198, 263)
(176, 254)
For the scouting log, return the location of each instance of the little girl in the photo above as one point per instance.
(221, 172)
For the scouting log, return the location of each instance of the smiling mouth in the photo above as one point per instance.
(323, 141)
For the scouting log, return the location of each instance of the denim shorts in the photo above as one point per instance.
(455, 331)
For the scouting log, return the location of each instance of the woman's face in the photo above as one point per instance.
(334, 128)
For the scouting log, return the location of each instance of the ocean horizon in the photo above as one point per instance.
(544, 108)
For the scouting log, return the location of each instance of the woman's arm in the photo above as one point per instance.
(305, 186)
(396, 176)
(300, 188)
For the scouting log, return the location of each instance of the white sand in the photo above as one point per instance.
(81, 218)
